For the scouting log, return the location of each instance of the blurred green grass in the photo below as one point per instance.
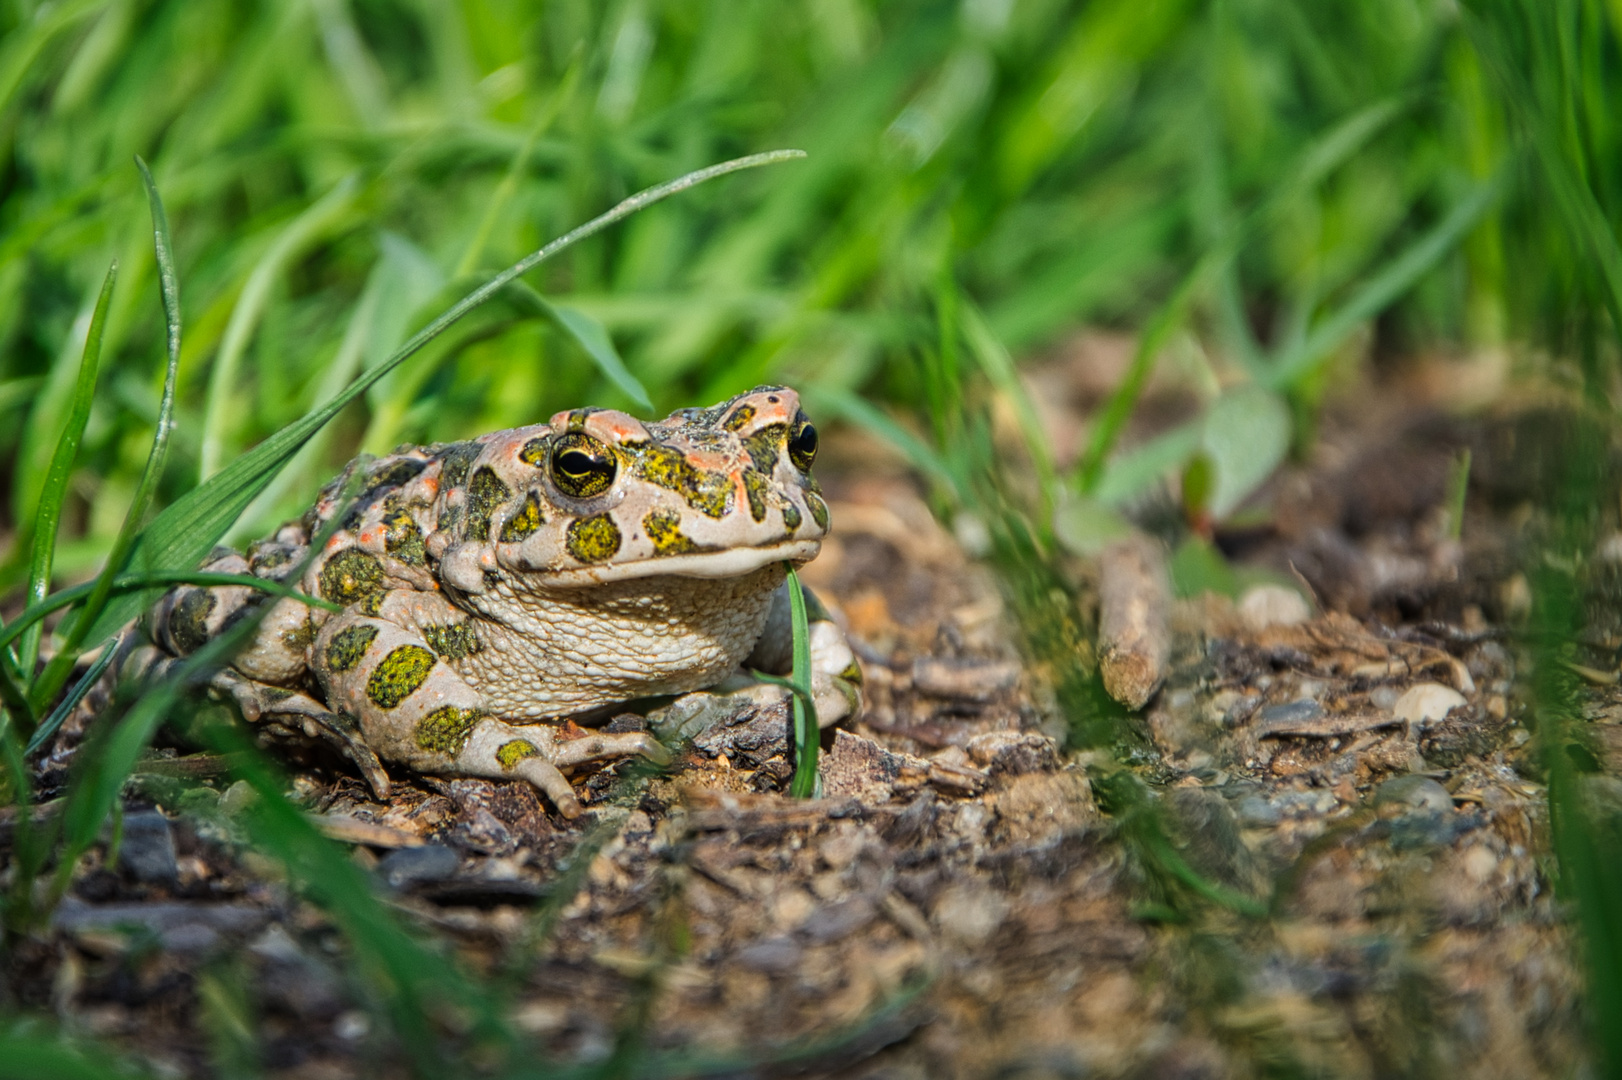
(334, 168)
(1287, 182)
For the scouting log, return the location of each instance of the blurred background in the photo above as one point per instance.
(1284, 194)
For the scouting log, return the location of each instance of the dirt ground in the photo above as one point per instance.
(957, 904)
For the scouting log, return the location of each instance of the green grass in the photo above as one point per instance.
(1292, 185)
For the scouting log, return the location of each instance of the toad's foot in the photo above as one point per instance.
(539, 753)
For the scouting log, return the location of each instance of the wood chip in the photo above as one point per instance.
(1134, 601)
(1323, 726)
(348, 830)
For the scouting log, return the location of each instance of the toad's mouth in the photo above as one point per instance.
(722, 563)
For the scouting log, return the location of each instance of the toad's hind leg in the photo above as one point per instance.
(415, 708)
(535, 752)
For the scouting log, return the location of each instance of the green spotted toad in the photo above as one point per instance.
(491, 589)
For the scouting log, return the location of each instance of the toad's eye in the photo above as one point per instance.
(582, 466)
(802, 445)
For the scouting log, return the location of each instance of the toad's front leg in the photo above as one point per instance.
(415, 709)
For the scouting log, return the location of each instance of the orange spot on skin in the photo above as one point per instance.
(571, 731)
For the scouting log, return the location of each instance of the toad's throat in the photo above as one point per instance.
(552, 653)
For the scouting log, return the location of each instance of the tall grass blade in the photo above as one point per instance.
(807, 734)
(591, 336)
(1378, 293)
(49, 515)
(27, 1053)
(127, 583)
(323, 216)
(70, 701)
(999, 370)
(856, 410)
(55, 675)
(185, 531)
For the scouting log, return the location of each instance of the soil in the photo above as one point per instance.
(957, 904)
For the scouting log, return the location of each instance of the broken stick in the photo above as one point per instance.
(1134, 599)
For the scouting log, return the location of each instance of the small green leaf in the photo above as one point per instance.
(1246, 434)
(1085, 526)
(1196, 567)
(1197, 484)
(1136, 472)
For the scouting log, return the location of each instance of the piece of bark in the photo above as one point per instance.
(1134, 599)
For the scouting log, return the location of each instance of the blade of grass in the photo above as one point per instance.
(106, 760)
(48, 727)
(590, 335)
(1378, 293)
(864, 414)
(127, 583)
(999, 370)
(416, 981)
(27, 1053)
(1106, 429)
(323, 216)
(55, 675)
(807, 733)
(185, 531)
(49, 516)
(508, 186)
(1315, 162)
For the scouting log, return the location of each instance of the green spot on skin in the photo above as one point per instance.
(268, 556)
(458, 459)
(348, 647)
(765, 447)
(188, 621)
(351, 576)
(523, 524)
(707, 492)
(534, 451)
(403, 539)
(664, 530)
(511, 753)
(594, 539)
(791, 517)
(398, 675)
(393, 473)
(453, 641)
(485, 492)
(818, 508)
(754, 485)
(739, 418)
(852, 674)
(299, 637)
(446, 729)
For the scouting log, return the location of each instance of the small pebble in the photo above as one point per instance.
(1414, 792)
(1294, 712)
(1426, 702)
(1255, 812)
(148, 850)
(1273, 605)
(406, 867)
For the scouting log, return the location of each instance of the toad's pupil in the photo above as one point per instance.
(577, 463)
(803, 446)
